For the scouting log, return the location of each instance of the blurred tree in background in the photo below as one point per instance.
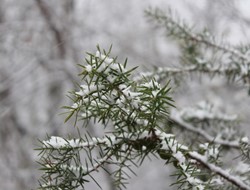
(42, 41)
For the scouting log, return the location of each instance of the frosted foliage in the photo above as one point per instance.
(204, 110)
(88, 68)
(43, 41)
(245, 140)
(39, 60)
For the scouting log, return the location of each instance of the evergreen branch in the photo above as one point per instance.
(180, 153)
(137, 109)
(176, 118)
(224, 174)
(162, 73)
(233, 62)
(88, 170)
(181, 31)
(171, 149)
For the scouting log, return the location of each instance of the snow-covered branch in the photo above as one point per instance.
(181, 30)
(223, 173)
(137, 117)
(177, 119)
(203, 50)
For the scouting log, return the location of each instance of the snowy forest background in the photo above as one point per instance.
(43, 41)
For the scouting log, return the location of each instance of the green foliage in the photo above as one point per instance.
(135, 113)
(202, 51)
(111, 98)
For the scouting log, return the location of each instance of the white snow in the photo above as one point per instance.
(151, 84)
(223, 173)
(211, 151)
(118, 67)
(217, 181)
(155, 92)
(201, 61)
(108, 60)
(130, 94)
(244, 68)
(111, 78)
(180, 157)
(204, 110)
(87, 89)
(122, 86)
(204, 146)
(136, 102)
(88, 68)
(75, 106)
(80, 93)
(56, 142)
(245, 140)
(98, 54)
(177, 117)
(59, 142)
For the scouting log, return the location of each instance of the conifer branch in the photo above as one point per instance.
(134, 113)
(224, 174)
(179, 121)
(181, 30)
(202, 49)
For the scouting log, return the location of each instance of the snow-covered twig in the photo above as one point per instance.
(182, 31)
(138, 108)
(176, 118)
(224, 174)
